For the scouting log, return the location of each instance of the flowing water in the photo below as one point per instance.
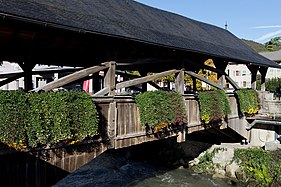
(111, 170)
(180, 178)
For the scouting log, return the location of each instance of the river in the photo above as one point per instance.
(113, 168)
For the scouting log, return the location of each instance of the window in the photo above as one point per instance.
(243, 73)
(237, 73)
(244, 84)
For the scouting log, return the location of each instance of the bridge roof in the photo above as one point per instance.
(134, 22)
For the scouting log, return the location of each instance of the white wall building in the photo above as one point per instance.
(274, 56)
(242, 75)
(37, 80)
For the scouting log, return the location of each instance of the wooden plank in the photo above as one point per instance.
(204, 79)
(72, 77)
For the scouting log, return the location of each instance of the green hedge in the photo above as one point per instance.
(248, 101)
(262, 167)
(214, 105)
(13, 122)
(47, 118)
(160, 108)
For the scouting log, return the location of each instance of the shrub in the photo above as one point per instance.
(46, 118)
(248, 101)
(160, 108)
(214, 105)
(260, 165)
(13, 118)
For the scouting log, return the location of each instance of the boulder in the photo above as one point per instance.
(230, 170)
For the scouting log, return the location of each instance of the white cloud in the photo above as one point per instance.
(268, 36)
(268, 27)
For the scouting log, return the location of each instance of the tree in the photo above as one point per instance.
(273, 44)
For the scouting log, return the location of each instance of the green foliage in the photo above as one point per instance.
(214, 105)
(206, 164)
(12, 118)
(160, 107)
(260, 165)
(46, 118)
(248, 101)
(273, 85)
(273, 44)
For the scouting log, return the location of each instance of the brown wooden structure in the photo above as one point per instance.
(114, 37)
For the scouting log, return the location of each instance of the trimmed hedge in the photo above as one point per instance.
(47, 118)
(160, 108)
(214, 105)
(248, 101)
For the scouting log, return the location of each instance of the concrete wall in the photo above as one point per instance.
(269, 104)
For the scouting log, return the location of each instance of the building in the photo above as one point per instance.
(242, 75)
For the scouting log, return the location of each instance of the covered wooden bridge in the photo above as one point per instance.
(116, 37)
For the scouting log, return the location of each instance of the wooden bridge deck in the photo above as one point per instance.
(121, 116)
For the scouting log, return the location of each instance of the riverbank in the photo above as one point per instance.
(244, 164)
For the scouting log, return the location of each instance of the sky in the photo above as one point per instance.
(257, 20)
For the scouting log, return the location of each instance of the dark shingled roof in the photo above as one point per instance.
(131, 20)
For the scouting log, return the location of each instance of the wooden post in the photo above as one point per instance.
(194, 84)
(221, 65)
(109, 79)
(254, 70)
(263, 71)
(180, 82)
(112, 124)
(180, 89)
(27, 68)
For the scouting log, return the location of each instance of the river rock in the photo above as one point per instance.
(230, 170)
(240, 174)
(219, 173)
(223, 157)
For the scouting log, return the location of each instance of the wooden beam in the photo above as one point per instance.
(137, 81)
(232, 82)
(145, 79)
(263, 71)
(72, 77)
(109, 79)
(137, 76)
(102, 92)
(229, 79)
(11, 79)
(254, 70)
(180, 82)
(204, 79)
